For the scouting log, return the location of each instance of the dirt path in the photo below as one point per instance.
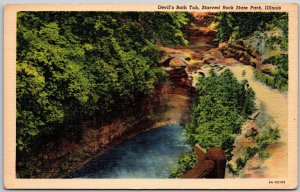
(276, 105)
(201, 55)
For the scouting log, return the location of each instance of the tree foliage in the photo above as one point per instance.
(186, 162)
(266, 34)
(73, 65)
(279, 77)
(235, 25)
(222, 105)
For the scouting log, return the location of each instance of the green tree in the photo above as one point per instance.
(222, 105)
(73, 66)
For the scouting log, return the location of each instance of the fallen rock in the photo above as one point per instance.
(268, 68)
(177, 62)
(166, 61)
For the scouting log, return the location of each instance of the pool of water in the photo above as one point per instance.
(152, 154)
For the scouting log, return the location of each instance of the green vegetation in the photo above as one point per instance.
(223, 104)
(78, 66)
(186, 162)
(260, 139)
(276, 78)
(72, 66)
(263, 140)
(264, 38)
(235, 25)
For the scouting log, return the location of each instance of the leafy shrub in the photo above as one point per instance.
(222, 105)
(279, 79)
(186, 162)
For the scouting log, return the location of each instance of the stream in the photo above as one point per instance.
(152, 154)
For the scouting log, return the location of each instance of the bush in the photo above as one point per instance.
(186, 162)
(221, 106)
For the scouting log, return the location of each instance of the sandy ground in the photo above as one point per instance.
(276, 105)
(203, 53)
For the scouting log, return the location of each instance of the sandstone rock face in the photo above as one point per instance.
(268, 68)
(242, 53)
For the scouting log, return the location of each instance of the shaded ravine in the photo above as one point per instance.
(149, 155)
(153, 154)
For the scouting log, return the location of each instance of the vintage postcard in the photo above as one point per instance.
(151, 96)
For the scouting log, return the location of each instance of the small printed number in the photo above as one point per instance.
(276, 182)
